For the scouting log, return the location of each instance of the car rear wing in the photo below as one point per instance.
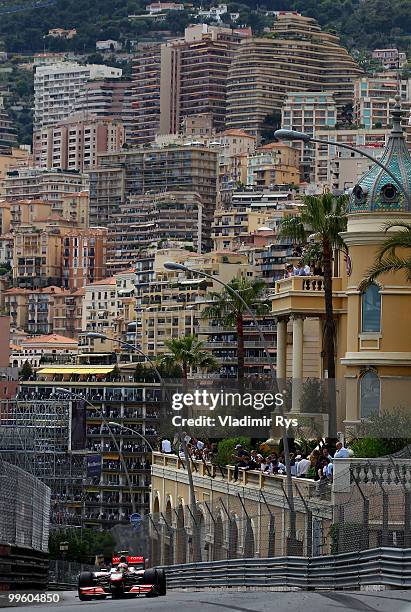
(131, 560)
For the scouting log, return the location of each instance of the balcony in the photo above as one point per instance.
(305, 295)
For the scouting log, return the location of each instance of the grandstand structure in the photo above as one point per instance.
(34, 436)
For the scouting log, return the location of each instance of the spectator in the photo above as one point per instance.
(303, 466)
(326, 454)
(340, 451)
(241, 458)
(166, 446)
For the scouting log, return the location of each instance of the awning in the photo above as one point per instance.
(77, 370)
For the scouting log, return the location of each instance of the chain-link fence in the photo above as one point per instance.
(24, 509)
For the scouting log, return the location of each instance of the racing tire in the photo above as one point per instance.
(151, 576)
(86, 579)
(162, 582)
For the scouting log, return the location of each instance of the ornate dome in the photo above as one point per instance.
(377, 190)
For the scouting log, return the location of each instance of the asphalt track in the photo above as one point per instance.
(224, 601)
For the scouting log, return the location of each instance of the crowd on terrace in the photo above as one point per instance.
(317, 465)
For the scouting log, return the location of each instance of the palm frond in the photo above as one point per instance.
(391, 263)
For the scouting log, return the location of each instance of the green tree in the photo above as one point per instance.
(83, 546)
(187, 352)
(388, 259)
(228, 309)
(324, 218)
(226, 447)
(26, 371)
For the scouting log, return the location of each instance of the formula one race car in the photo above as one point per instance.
(126, 578)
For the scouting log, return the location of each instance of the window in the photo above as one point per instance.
(370, 395)
(371, 310)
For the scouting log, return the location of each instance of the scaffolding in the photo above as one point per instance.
(34, 436)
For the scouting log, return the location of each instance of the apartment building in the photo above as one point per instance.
(109, 98)
(374, 99)
(146, 93)
(8, 133)
(50, 310)
(248, 212)
(168, 304)
(326, 156)
(192, 168)
(298, 57)
(272, 164)
(50, 185)
(15, 158)
(43, 348)
(75, 142)
(84, 256)
(182, 78)
(157, 220)
(308, 112)
(57, 87)
(75, 208)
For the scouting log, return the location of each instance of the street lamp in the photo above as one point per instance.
(134, 431)
(120, 454)
(284, 134)
(178, 267)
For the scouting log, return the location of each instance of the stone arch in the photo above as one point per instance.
(168, 539)
(156, 532)
(218, 542)
(201, 526)
(249, 540)
(181, 536)
(233, 539)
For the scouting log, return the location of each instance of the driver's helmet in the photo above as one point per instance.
(122, 566)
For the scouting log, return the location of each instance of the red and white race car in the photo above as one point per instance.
(126, 578)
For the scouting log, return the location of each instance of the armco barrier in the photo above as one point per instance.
(380, 566)
(23, 568)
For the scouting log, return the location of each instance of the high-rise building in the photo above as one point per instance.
(308, 112)
(146, 93)
(192, 168)
(110, 98)
(75, 142)
(8, 133)
(49, 185)
(58, 86)
(298, 56)
(273, 164)
(182, 78)
(374, 99)
(84, 256)
(166, 219)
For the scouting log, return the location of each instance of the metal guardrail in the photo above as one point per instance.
(379, 566)
(23, 568)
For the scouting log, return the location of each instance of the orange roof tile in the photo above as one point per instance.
(51, 339)
(104, 281)
(237, 132)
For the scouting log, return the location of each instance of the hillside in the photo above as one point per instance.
(362, 24)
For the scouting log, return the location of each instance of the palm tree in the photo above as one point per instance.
(324, 217)
(387, 259)
(230, 310)
(187, 352)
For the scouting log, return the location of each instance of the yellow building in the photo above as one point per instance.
(373, 332)
(272, 164)
(18, 158)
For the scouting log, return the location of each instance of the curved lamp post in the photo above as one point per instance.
(177, 267)
(284, 134)
(120, 454)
